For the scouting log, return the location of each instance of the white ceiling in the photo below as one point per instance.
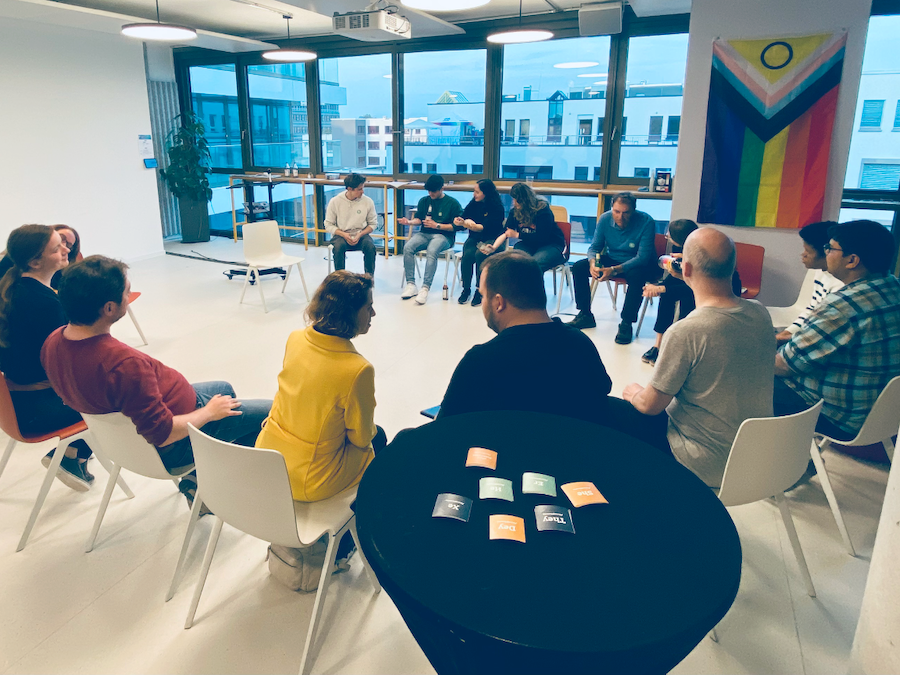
(238, 25)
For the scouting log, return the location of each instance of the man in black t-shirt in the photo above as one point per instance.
(535, 364)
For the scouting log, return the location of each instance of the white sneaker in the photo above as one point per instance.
(422, 297)
(409, 292)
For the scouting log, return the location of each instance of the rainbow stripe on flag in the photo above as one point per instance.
(769, 122)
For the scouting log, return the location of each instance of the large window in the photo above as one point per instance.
(654, 85)
(214, 99)
(355, 100)
(443, 116)
(279, 128)
(553, 92)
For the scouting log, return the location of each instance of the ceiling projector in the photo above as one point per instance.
(371, 26)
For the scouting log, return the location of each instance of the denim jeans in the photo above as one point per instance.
(434, 245)
(365, 244)
(240, 429)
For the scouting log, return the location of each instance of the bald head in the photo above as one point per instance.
(710, 253)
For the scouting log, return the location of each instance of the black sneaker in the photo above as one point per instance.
(188, 487)
(624, 336)
(583, 320)
(476, 299)
(72, 473)
(650, 356)
(464, 296)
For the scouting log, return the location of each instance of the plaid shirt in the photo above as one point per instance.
(848, 350)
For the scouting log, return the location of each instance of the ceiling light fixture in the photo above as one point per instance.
(289, 55)
(578, 64)
(158, 30)
(443, 5)
(592, 75)
(519, 35)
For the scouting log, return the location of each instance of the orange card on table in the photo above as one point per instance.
(581, 494)
(507, 527)
(482, 457)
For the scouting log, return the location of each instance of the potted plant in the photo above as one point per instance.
(186, 175)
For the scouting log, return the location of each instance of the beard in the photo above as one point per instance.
(492, 320)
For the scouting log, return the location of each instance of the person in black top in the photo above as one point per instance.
(483, 217)
(532, 221)
(29, 312)
(535, 364)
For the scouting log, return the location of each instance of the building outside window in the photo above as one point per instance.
(277, 94)
(214, 100)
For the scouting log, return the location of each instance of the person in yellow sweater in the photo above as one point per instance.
(323, 416)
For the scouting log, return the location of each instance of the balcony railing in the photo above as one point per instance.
(446, 140)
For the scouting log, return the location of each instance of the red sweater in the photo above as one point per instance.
(101, 375)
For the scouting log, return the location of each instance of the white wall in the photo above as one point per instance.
(72, 107)
(735, 19)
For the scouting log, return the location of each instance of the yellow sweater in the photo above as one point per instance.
(323, 416)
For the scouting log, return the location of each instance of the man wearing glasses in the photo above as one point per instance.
(849, 347)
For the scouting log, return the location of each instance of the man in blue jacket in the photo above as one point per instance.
(623, 246)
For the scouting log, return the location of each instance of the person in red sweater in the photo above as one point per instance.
(96, 374)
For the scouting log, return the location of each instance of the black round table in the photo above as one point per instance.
(634, 590)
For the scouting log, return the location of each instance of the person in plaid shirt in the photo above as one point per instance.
(848, 348)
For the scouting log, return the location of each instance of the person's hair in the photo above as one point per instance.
(88, 285)
(353, 181)
(528, 203)
(680, 229)
(25, 243)
(708, 265)
(517, 277)
(869, 240)
(816, 235)
(491, 196)
(626, 197)
(75, 248)
(434, 183)
(337, 301)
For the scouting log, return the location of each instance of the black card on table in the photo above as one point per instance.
(449, 505)
(554, 518)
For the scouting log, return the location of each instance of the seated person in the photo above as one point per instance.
(711, 374)
(29, 312)
(323, 416)
(534, 364)
(672, 291)
(848, 348)
(623, 246)
(71, 240)
(435, 213)
(815, 237)
(349, 219)
(483, 217)
(96, 374)
(532, 221)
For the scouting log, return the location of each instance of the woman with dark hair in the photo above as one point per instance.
(323, 416)
(29, 312)
(532, 221)
(70, 239)
(483, 217)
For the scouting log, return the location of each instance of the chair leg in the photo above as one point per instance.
(324, 581)
(888, 448)
(246, 283)
(593, 289)
(286, 277)
(369, 573)
(328, 257)
(455, 274)
(612, 297)
(816, 455)
(261, 296)
(52, 470)
(204, 569)
(554, 282)
(795, 542)
(136, 324)
(569, 282)
(106, 464)
(558, 295)
(104, 503)
(7, 454)
(179, 566)
(646, 302)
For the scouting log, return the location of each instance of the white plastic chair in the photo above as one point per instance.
(782, 317)
(449, 256)
(118, 440)
(249, 489)
(262, 250)
(879, 427)
(767, 457)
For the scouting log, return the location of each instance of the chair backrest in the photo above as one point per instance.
(882, 420)
(560, 213)
(566, 228)
(749, 267)
(248, 488)
(661, 243)
(261, 239)
(120, 442)
(8, 421)
(768, 456)
(134, 295)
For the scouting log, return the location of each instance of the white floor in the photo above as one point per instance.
(65, 611)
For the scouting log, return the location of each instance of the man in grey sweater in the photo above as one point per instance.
(349, 219)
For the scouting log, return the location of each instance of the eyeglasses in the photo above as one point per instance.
(828, 248)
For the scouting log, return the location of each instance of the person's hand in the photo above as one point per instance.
(631, 391)
(220, 407)
(783, 337)
(459, 222)
(487, 249)
(429, 222)
(403, 221)
(606, 273)
(653, 291)
(352, 239)
(595, 271)
(511, 234)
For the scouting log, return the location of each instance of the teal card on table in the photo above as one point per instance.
(538, 484)
(495, 488)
